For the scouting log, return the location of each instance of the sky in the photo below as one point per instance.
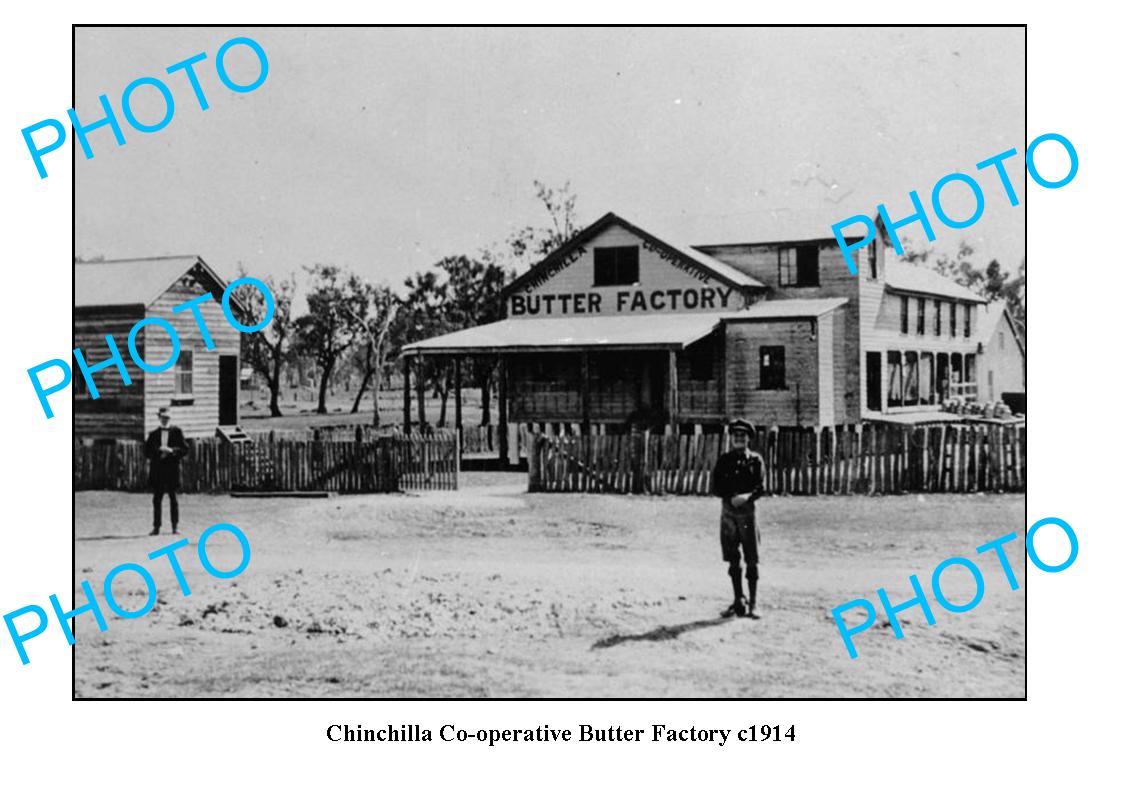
(385, 149)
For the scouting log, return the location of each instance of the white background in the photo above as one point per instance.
(1059, 739)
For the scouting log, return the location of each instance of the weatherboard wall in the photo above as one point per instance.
(657, 273)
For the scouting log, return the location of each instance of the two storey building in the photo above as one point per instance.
(621, 323)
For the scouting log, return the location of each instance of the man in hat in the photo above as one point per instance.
(739, 480)
(164, 448)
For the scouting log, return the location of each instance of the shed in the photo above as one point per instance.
(202, 387)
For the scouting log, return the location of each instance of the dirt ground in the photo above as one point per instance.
(491, 592)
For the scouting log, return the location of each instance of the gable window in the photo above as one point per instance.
(939, 318)
(920, 316)
(904, 314)
(1001, 341)
(799, 266)
(772, 367)
(951, 320)
(873, 261)
(185, 374)
(615, 265)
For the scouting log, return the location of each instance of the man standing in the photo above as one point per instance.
(738, 480)
(164, 448)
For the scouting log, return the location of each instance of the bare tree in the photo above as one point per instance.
(376, 325)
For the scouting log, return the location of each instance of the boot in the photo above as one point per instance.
(738, 606)
(752, 598)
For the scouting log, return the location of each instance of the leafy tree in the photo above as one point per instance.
(328, 329)
(457, 293)
(269, 350)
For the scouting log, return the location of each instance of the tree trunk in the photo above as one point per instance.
(275, 388)
(322, 406)
(359, 395)
(485, 400)
(376, 389)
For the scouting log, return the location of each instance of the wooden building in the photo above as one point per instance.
(1002, 357)
(201, 388)
(620, 323)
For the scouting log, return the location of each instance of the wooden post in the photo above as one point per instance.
(421, 395)
(585, 408)
(406, 420)
(672, 390)
(504, 453)
(719, 363)
(457, 407)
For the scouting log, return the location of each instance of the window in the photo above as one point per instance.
(615, 265)
(1001, 341)
(990, 384)
(799, 266)
(912, 379)
(873, 260)
(939, 319)
(184, 373)
(951, 320)
(927, 379)
(772, 367)
(904, 314)
(920, 316)
(893, 358)
(966, 320)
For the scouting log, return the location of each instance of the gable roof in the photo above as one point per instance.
(709, 265)
(917, 279)
(990, 315)
(114, 283)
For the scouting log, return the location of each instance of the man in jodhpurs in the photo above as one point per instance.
(738, 480)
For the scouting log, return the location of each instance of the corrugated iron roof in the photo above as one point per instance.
(916, 279)
(789, 308)
(576, 331)
(675, 330)
(113, 283)
(117, 282)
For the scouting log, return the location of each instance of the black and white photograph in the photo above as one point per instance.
(534, 363)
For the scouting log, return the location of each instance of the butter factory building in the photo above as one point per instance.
(621, 325)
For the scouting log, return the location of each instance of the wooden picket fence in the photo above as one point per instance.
(387, 463)
(865, 459)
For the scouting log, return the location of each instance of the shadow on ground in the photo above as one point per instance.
(661, 633)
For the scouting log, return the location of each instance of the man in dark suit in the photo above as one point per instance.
(738, 480)
(164, 448)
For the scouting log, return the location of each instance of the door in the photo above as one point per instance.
(873, 380)
(228, 391)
